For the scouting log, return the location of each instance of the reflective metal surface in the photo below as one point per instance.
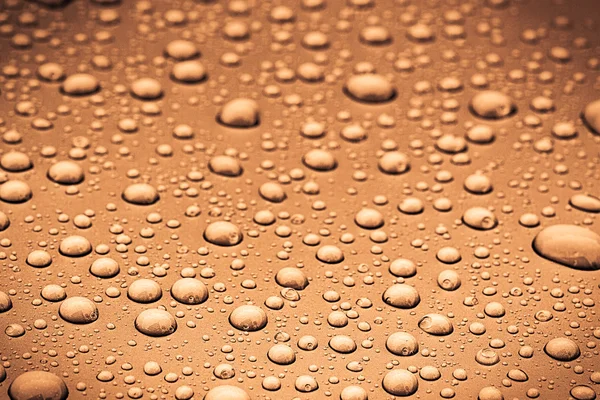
(242, 199)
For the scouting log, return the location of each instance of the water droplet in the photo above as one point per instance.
(400, 382)
(330, 254)
(15, 191)
(189, 291)
(436, 324)
(141, 194)
(480, 218)
(591, 116)
(66, 173)
(291, 277)
(281, 354)
(80, 85)
(223, 233)
(394, 163)
(585, 202)
(240, 113)
(144, 291)
(105, 267)
(402, 344)
(491, 104)
(155, 322)
(75, 246)
(583, 392)
(38, 385)
(401, 296)
(370, 88)
(15, 161)
(248, 318)
(320, 160)
(569, 245)
(78, 310)
(562, 349)
(146, 89)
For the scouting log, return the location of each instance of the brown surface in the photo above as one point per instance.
(524, 181)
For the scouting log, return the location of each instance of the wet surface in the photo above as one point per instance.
(358, 199)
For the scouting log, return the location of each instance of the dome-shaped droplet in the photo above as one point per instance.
(354, 392)
(490, 393)
(478, 184)
(343, 344)
(272, 192)
(226, 392)
(80, 85)
(225, 166)
(75, 246)
(448, 255)
(403, 268)
(192, 71)
(223, 233)
(411, 206)
(155, 322)
(370, 88)
(320, 160)
(570, 245)
(583, 392)
(5, 302)
(15, 161)
(308, 343)
(306, 384)
(4, 221)
(141, 194)
(491, 104)
(517, 375)
(400, 382)
(562, 349)
(105, 267)
(189, 291)
(591, 116)
(480, 218)
(39, 259)
(402, 344)
(394, 163)
(369, 218)
(420, 33)
(291, 277)
(15, 191)
(430, 373)
(146, 89)
(224, 371)
(449, 280)
(248, 318)
(451, 144)
(66, 173)
(144, 291)
(436, 324)
(240, 113)
(481, 134)
(51, 72)
(34, 385)
(330, 254)
(53, 293)
(585, 202)
(487, 357)
(78, 310)
(401, 296)
(181, 50)
(281, 354)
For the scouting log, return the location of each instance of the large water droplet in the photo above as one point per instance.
(34, 385)
(569, 245)
(155, 322)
